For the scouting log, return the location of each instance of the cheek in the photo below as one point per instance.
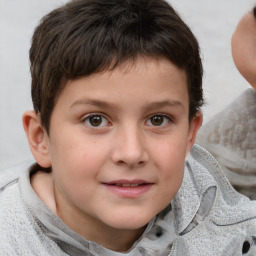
(173, 169)
(171, 176)
(74, 148)
(171, 151)
(75, 167)
(170, 160)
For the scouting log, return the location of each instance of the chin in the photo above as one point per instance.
(130, 222)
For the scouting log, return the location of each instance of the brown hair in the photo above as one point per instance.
(89, 36)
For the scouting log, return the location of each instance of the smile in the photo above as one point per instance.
(128, 189)
(127, 185)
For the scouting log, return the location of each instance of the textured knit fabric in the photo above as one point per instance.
(230, 136)
(206, 217)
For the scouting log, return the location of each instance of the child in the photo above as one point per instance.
(231, 135)
(117, 91)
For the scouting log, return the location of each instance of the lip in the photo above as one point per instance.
(128, 188)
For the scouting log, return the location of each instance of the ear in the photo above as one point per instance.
(37, 138)
(194, 126)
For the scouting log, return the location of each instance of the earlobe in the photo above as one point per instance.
(37, 138)
(195, 124)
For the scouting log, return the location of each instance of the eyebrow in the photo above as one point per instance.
(164, 103)
(93, 102)
(109, 105)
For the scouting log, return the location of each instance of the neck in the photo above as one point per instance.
(119, 240)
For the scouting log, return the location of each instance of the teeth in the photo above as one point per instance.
(128, 185)
(125, 185)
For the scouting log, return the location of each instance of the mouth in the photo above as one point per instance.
(128, 189)
(127, 185)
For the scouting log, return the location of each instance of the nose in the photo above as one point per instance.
(129, 147)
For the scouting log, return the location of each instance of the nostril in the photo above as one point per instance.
(120, 162)
(246, 247)
(138, 164)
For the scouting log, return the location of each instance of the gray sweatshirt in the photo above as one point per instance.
(207, 217)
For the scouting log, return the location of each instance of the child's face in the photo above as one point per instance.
(244, 48)
(117, 144)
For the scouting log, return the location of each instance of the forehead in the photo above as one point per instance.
(141, 70)
(156, 66)
(144, 78)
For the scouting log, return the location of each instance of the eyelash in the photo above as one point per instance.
(166, 120)
(87, 120)
(104, 122)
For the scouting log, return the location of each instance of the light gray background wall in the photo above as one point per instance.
(213, 22)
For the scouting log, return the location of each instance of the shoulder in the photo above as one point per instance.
(11, 175)
(11, 210)
(20, 233)
(11, 203)
(209, 211)
(206, 174)
(10, 196)
(202, 175)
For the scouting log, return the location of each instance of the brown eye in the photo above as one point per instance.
(158, 120)
(96, 121)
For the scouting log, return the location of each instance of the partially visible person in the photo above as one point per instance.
(244, 47)
(231, 134)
